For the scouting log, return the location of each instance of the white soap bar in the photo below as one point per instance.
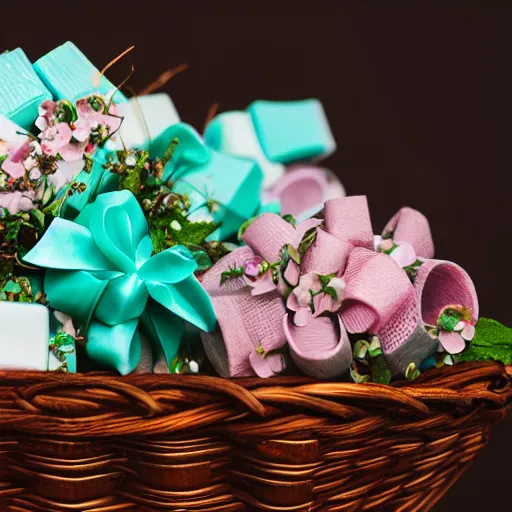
(11, 133)
(233, 133)
(24, 335)
(145, 119)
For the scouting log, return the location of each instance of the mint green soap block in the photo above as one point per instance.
(22, 90)
(70, 75)
(289, 131)
(233, 184)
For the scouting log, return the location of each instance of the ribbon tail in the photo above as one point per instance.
(187, 299)
(165, 332)
(117, 346)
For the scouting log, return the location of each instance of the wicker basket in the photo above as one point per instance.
(99, 442)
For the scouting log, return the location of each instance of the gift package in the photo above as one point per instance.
(132, 244)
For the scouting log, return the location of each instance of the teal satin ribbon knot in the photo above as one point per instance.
(101, 272)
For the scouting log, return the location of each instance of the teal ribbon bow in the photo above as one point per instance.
(101, 272)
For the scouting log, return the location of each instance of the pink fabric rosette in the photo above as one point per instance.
(370, 291)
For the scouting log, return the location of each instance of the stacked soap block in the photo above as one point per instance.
(22, 90)
(281, 137)
(69, 75)
(273, 133)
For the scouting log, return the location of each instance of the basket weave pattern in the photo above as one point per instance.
(103, 443)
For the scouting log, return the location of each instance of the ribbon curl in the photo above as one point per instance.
(102, 273)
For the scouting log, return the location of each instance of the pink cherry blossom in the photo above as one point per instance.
(454, 341)
(253, 267)
(17, 201)
(55, 138)
(267, 366)
(404, 254)
(308, 283)
(47, 111)
(261, 284)
(13, 164)
(292, 273)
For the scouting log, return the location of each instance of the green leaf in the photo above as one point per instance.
(360, 349)
(47, 195)
(381, 373)
(357, 377)
(325, 280)
(375, 349)
(412, 372)
(331, 292)
(39, 216)
(66, 112)
(492, 341)
(448, 320)
(307, 240)
(291, 219)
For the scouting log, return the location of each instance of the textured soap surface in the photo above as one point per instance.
(12, 133)
(290, 131)
(22, 90)
(145, 120)
(233, 133)
(24, 335)
(70, 75)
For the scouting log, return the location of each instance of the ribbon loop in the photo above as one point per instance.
(411, 226)
(268, 234)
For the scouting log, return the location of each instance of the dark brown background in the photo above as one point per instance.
(417, 94)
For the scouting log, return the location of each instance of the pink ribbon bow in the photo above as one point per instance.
(372, 293)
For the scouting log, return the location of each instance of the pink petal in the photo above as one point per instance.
(113, 122)
(263, 284)
(325, 303)
(292, 273)
(81, 134)
(266, 367)
(277, 362)
(26, 204)
(292, 303)
(11, 201)
(302, 317)
(452, 342)
(14, 169)
(404, 254)
(468, 333)
(65, 133)
(73, 152)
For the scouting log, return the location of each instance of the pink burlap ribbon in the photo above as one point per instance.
(378, 296)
